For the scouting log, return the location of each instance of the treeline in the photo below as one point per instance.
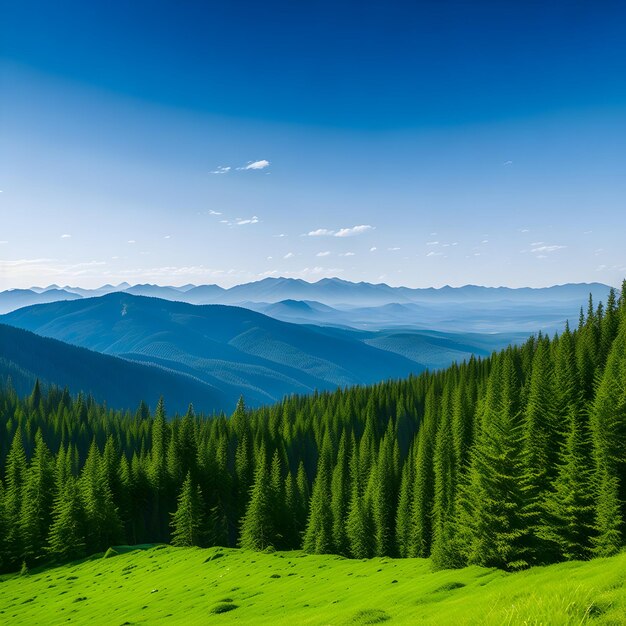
(509, 461)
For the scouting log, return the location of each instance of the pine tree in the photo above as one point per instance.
(493, 529)
(444, 553)
(569, 507)
(66, 540)
(188, 523)
(36, 509)
(257, 528)
(339, 497)
(358, 527)
(318, 536)
(15, 476)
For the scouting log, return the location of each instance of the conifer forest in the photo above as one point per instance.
(508, 461)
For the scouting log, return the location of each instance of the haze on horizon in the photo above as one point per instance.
(416, 144)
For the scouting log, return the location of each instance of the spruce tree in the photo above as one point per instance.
(257, 528)
(188, 523)
(37, 496)
(66, 540)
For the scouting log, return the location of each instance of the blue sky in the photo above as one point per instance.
(412, 143)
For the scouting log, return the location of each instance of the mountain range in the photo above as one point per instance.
(336, 302)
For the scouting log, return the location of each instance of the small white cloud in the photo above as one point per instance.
(131, 241)
(587, 232)
(256, 165)
(373, 249)
(281, 235)
(269, 258)
(321, 232)
(221, 169)
(347, 254)
(485, 241)
(393, 249)
(507, 163)
(167, 237)
(524, 230)
(431, 253)
(242, 222)
(289, 255)
(212, 212)
(355, 230)
(543, 250)
(66, 236)
(432, 243)
(325, 253)
(3, 241)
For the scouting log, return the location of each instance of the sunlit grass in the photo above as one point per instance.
(161, 584)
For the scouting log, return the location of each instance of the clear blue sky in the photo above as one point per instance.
(417, 143)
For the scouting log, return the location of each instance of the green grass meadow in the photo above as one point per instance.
(165, 585)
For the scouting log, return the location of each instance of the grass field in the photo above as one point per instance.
(161, 584)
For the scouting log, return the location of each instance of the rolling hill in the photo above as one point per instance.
(230, 348)
(160, 584)
(25, 357)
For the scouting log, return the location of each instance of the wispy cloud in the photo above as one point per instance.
(256, 165)
(395, 249)
(347, 254)
(289, 255)
(66, 236)
(131, 241)
(432, 243)
(212, 212)
(221, 169)
(342, 232)
(325, 253)
(546, 249)
(373, 249)
(507, 163)
(243, 222)
(321, 232)
(167, 237)
(355, 230)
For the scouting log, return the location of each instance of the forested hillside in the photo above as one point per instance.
(509, 461)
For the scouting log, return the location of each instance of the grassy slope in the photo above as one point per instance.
(169, 585)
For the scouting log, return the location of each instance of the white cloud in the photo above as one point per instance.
(131, 241)
(431, 253)
(221, 169)
(393, 249)
(242, 222)
(289, 255)
(4, 241)
(167, 237)
(485, 241)
(256, 165)
(355, 230)
(321, 232)
(432, 243)
(325, 253)
(506, 163)
(373, 249)
(281, 235)
(212, 212)
(546, 249)
(347, 254)
(342, 232)
(66, 236)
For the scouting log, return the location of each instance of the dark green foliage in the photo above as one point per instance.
(508, 461)
(187, 523)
